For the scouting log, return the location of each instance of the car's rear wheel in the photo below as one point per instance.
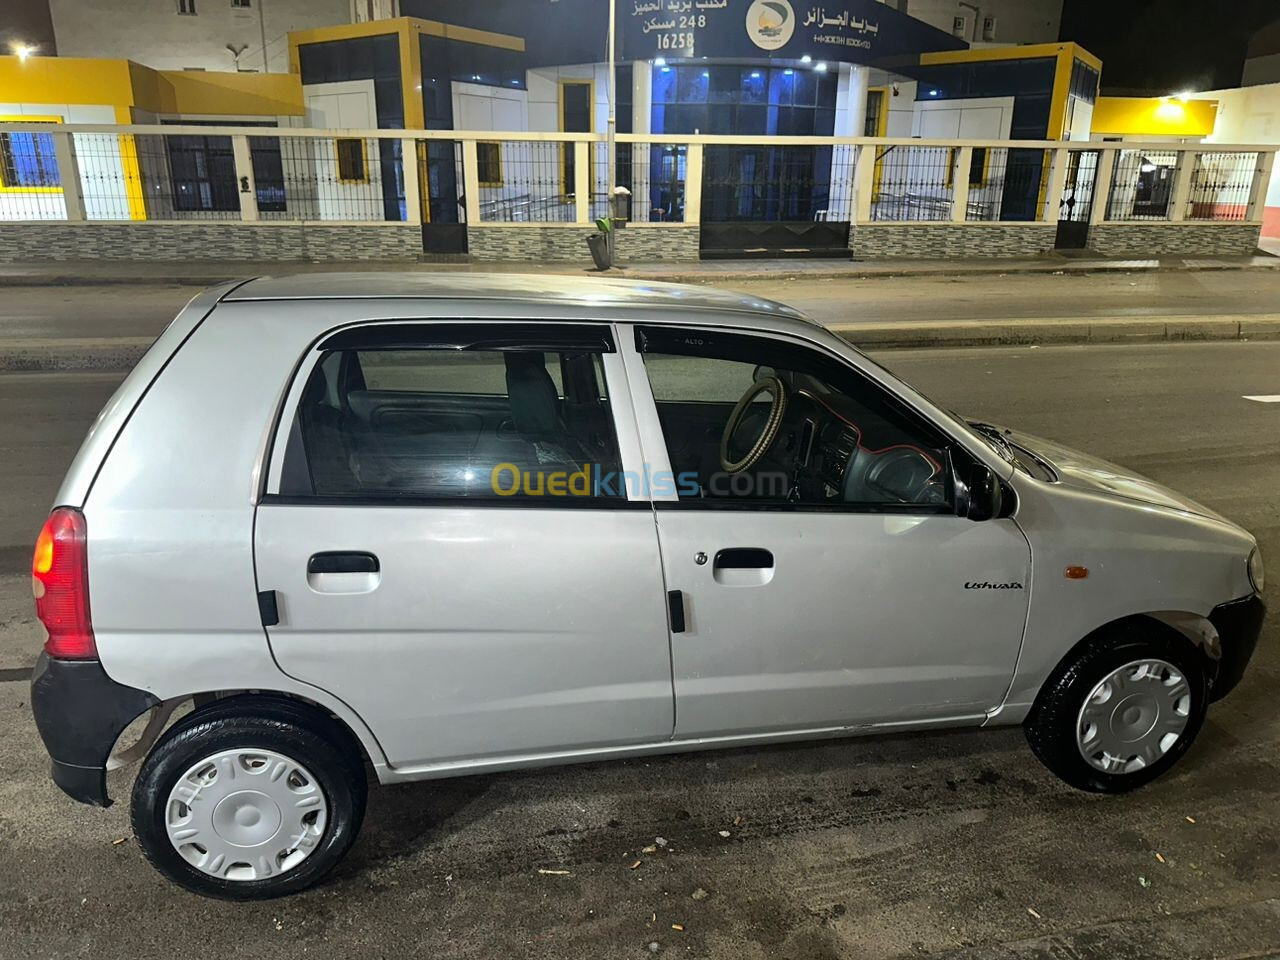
(246, 807)
(1122, 709)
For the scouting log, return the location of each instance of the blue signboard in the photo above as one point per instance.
(856, 31)
(573, 31)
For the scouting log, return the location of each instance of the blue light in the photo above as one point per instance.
(666, 69)
(788, 72)
(933, 93)
(755, 75)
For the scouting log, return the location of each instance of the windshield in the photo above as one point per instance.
(991, 435)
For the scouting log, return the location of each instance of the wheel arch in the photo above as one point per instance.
(1192, 627)
(247, 703)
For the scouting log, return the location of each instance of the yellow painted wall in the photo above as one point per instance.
(124, 85)
(255, 94)
(1154, 117)
(66, 80)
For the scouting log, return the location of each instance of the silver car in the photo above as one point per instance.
(433, 526)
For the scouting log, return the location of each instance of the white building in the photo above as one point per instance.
(989, 21)
(196, 34)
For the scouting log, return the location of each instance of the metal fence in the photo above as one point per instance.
(913, 183)
(51, 171)
(654, 176)
(523, 182)
(1220, 185)
(1142, 185)
(1080, 181)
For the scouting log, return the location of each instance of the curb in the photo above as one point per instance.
(120, 354)
(1102, 330)
(117, 280)
(675, 275)
(886, 273)
(104, 354)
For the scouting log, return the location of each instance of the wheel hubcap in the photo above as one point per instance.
(246, 814)
(1134, 716)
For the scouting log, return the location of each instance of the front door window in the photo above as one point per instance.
(749, 419)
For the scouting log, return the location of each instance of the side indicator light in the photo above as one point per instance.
(1077, 573)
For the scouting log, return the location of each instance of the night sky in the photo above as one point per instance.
(1153, 47)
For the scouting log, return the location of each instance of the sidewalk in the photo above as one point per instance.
(119, 354)
(1115, 325)
(204, 273)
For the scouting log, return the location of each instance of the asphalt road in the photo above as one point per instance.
(955, 845)
(144, 309)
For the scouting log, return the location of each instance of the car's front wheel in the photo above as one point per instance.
(247, 807)
(1122, 709)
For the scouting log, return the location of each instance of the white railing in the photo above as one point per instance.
(85, 172)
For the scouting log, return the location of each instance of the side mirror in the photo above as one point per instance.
(979, 495)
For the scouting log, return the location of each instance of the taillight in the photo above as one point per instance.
(60, 582)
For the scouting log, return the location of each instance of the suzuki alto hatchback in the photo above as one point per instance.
(441, 525)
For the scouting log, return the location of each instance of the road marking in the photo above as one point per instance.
(1265, 398)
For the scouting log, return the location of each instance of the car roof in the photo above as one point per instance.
(512, 288)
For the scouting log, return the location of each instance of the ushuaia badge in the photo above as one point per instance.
(770, 23)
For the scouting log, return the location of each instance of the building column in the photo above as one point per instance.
(641, 96)
(851, 118)
(64, 151)
(856, 115)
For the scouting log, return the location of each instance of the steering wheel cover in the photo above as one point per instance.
(778, 407)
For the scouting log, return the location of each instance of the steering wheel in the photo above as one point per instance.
(773, 423)
(904, 476)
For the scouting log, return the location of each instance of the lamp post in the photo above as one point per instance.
(612, 128)
(262, 29)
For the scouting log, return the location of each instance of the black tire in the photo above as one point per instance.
(1051, 727)
(309, 737)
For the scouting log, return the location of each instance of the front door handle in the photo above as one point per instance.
(338, 561)
(744, 558)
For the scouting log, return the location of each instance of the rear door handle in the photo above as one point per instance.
(337, 561)
(744, 558)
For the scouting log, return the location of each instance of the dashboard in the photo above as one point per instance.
(835, 458)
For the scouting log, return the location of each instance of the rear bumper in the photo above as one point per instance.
(1238, 624)
(80, 712)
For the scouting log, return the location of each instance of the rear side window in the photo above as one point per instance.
(396, 423)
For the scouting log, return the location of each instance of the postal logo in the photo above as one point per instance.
(770, 23)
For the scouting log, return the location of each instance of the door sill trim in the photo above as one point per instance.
(459, 768)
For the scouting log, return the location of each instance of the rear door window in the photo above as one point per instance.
(476, 413)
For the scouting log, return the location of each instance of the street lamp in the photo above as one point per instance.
(22, 51)
(611, 129)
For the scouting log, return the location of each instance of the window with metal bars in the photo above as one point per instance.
(187, 8)
(27, 161)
